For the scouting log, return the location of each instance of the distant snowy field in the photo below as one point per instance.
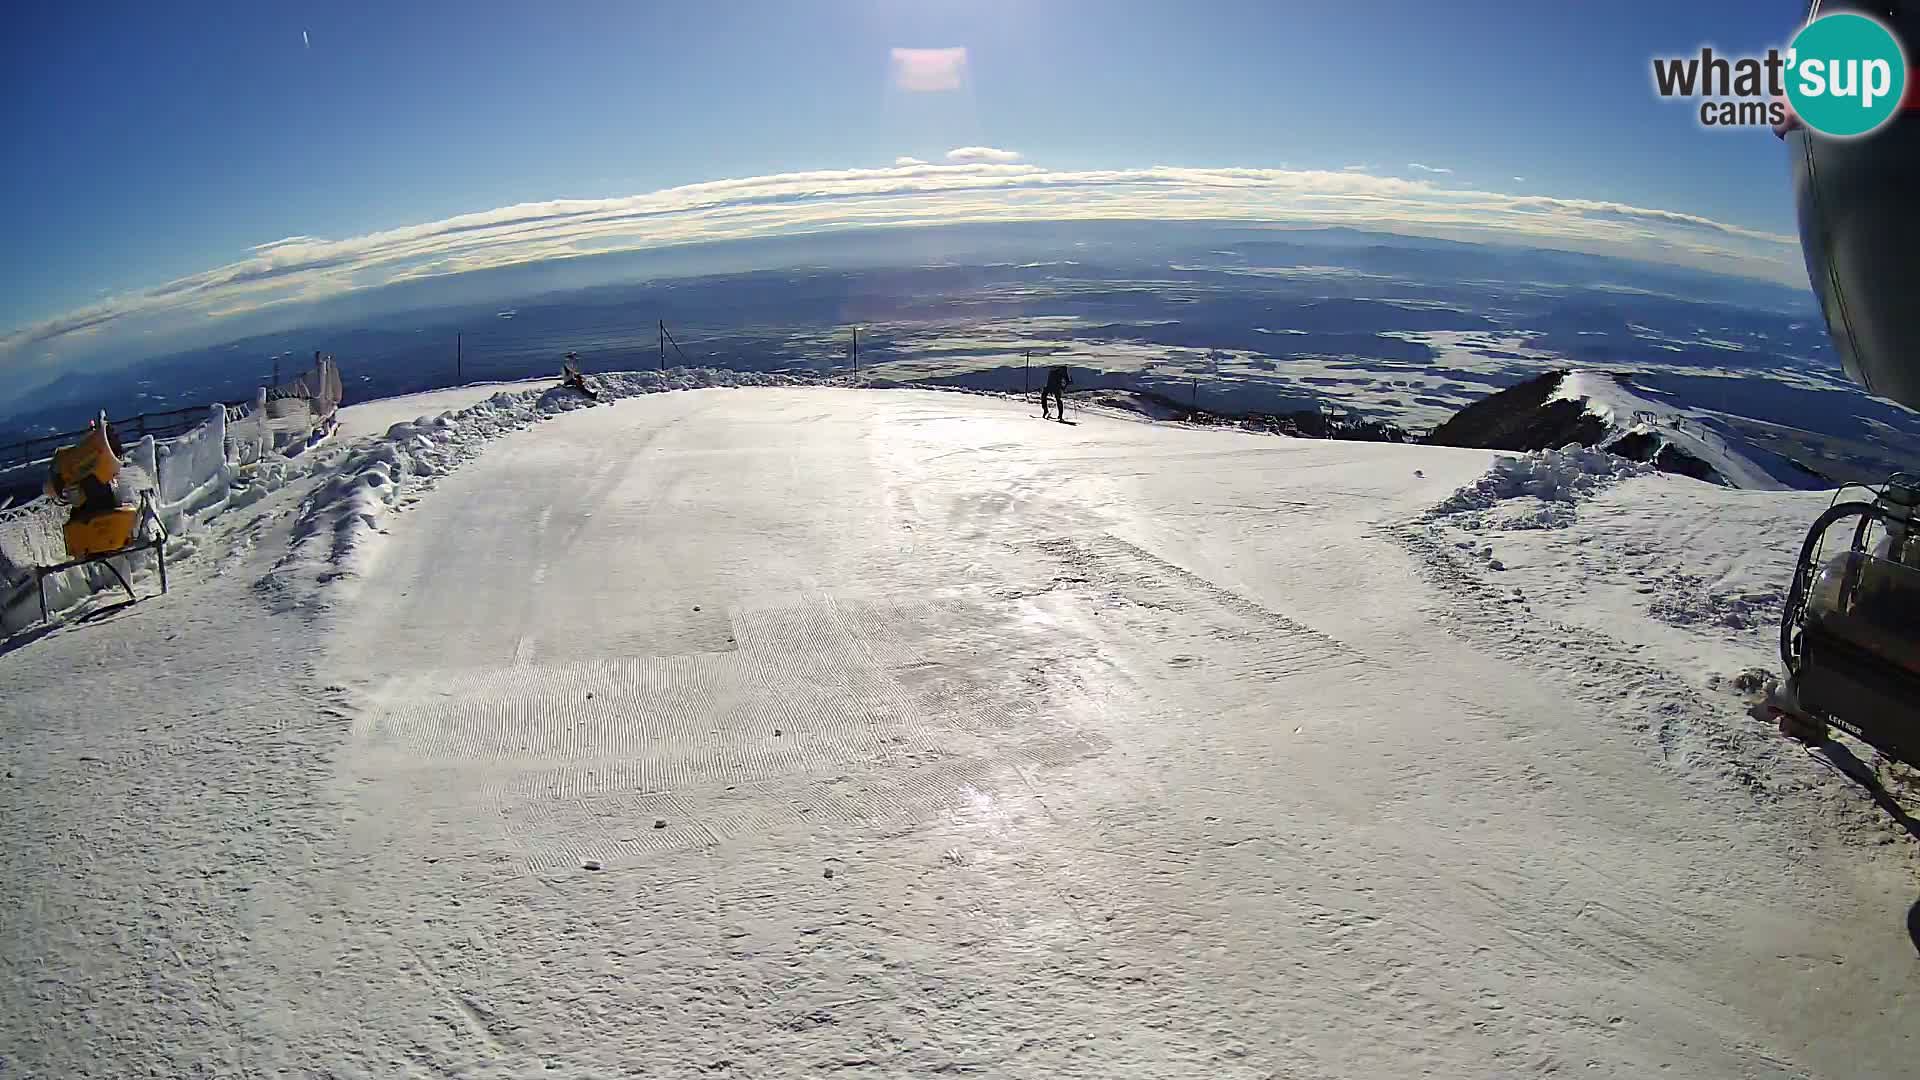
(1467, 366)
(794, 730)
(1794, 408)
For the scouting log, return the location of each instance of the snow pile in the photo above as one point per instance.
(1553, 477)
(334, 537)
(621, 384)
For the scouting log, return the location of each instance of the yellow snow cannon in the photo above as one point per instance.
(82, 476)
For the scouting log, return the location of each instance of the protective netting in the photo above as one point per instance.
(327, 388)
(292, 411)
(320, 388)
(248, 436)
(188, 463)
(31, 535)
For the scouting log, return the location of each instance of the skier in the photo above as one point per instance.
(1058, 379)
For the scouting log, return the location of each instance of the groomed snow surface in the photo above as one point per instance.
(804, 731)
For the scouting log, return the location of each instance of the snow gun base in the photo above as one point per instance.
(1850, 634)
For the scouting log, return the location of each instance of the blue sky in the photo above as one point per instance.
(156, 142)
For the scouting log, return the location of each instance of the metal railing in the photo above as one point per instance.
(160, 425)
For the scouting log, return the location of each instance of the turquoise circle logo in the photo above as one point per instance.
(1846, 74)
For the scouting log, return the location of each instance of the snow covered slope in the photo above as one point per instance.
(807, 731)
(1627, 413)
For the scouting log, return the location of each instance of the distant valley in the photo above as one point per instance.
(1231, 319)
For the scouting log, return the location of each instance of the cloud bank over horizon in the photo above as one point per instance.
(979, 184)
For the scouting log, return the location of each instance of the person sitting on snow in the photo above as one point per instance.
(570, 376)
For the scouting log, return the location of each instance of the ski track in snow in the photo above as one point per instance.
(810, 731)
(1578, 603)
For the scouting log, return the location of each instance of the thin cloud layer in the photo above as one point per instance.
(1429, 168)
(302, 269)
(973, 155)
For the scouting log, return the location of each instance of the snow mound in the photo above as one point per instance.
(337, 532)
(1560, 477)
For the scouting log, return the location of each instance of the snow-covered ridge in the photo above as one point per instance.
(1604, 396)
(334, 537)
(1606, 411)
(1637, 417)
